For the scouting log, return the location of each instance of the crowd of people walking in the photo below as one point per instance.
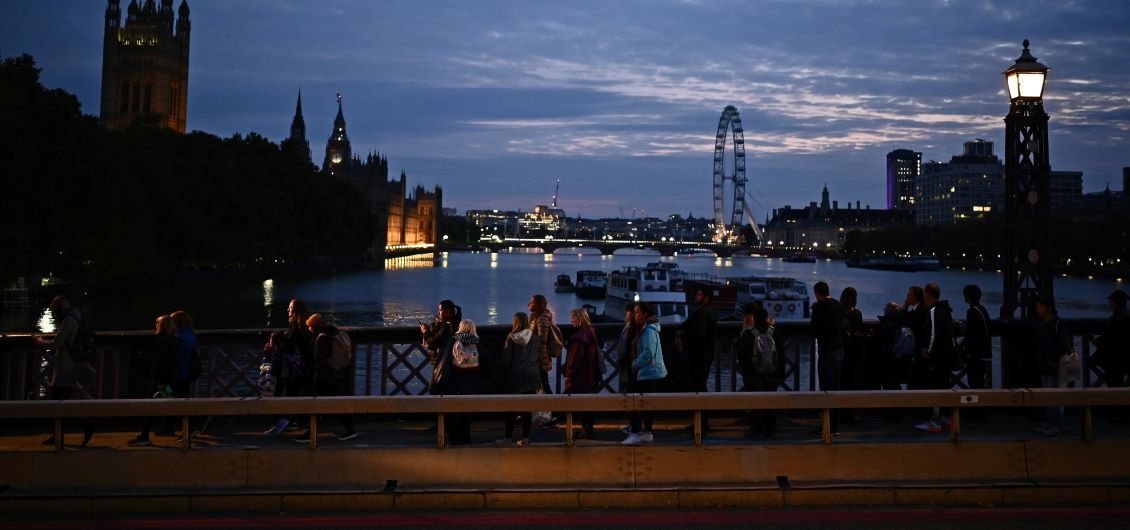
(916, 345)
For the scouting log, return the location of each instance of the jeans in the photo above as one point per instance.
(1055, 414)
(643, 421)
(830, 366)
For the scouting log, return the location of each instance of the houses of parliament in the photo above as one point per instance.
(145, 76)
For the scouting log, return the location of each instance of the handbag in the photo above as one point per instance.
(441, 371)
(1068, 368)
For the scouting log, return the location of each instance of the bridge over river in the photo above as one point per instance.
(402, 459)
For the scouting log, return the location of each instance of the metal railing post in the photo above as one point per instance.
(568, 429)
(186, 435)
(955, 424)
(698, 427)
(313, 431)
(441, 442)
(826, 427)
(58, 434)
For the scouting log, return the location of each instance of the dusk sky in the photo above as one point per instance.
(495, 100)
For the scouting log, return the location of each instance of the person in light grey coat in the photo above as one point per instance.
(520, 365)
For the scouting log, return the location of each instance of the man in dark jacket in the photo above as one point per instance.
(695, 339)
(977, 346)
(1113, 352)
(1053, 341)
(916, 316)
(328, 380)
(938, 353)
(828, 326)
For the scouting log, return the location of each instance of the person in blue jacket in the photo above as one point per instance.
(647, 364)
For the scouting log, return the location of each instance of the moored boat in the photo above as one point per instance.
(592, 284)
(563, 284)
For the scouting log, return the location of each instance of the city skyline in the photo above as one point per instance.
(496, 101)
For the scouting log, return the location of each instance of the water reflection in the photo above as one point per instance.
(420, 261)
(46, 322)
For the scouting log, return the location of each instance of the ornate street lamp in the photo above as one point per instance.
(1027, 208)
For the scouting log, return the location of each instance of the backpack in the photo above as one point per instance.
(195, 365)
(466, 356)
(83, 346)
(764, 354)
(904, 343)
(341, 355)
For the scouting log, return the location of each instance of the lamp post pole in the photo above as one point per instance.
(1027, 208)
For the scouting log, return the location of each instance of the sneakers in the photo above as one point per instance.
(946, 422)
(278, 428)
(929, 426)
(347, 436)
(647, 437)
(139, 441)
(522, 442)
(626, 430)
(632, 439)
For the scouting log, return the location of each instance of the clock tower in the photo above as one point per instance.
(338, 152)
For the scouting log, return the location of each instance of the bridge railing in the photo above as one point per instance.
(390, 361)
(441, 406)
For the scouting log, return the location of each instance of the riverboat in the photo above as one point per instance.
(784, 298)
(800, 257)
(895, 263)
(592, 284)
(659, 284)
(698, 253)
(563, 284)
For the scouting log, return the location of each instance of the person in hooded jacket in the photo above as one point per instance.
(520, 365)
(756, 321)
(1053, 341)
(584, 369)
(327, 380)
(464, 381)
(649, 370)
(938, 354)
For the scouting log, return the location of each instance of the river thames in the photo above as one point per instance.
(491, 287)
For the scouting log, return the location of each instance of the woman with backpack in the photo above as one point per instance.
(332, 369)
(760, 363)
(584, 369)
(465, 380)
(520, 364)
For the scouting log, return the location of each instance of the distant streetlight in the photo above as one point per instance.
(1027, 210)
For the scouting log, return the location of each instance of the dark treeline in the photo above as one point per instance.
(1091, 245)
(85, 203)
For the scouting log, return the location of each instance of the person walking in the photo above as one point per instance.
(161, 367)
(855, 344)
(333, 369)
(520, 364)
(695, 340)
(1053, 342)
(541, 322)
(584, 369)
(760, 363)
(64, 367)
(625, 346)
(938, 355)
(828, 320)
(649, 370)
(976, 346)
(1113, 345)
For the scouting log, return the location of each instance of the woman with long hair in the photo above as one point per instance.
(521, 371)
(649, 369)
(583, 368)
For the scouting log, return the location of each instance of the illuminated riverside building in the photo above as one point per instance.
(903, 169)
(145, 64)
(824, 226)
(971, 187)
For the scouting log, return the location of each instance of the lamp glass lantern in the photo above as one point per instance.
(1025, 79)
